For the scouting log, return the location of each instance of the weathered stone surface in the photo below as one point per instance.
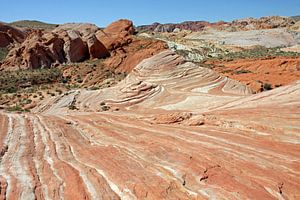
(37, 51)
(188, 25)
(63, 44)
(9, 34)
(236, 25)
(181, 132)
(116, 34)
(96, 48)
(269, 38)
(5, 40)
(85, 29)
(75, 48)
(126, 58)
(276, 71)
(262, 23)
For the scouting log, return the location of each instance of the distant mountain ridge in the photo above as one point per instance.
(33, 24)
(268, 22)
(296, 18)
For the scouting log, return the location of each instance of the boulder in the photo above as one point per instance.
(75, 48)
(9, 34)
(126, 58)
(121, 26)
(96, 48)
(37, 51)
(116, 34)
(87, 33)
(85, 29)
(5, 39)
(269, 22)
(56, 46)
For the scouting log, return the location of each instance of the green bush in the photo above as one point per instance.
(267, 86)
(3, 53)
(12, 81)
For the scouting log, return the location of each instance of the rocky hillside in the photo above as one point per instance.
(70, 43)
(33, 24)
(241, 24)
(115, 113)
(10, 35)
(296, 18)
(188, 25)
(84, 55)
(169, 130)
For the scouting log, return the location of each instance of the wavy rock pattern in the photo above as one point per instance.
(162, 81)
(160, 144)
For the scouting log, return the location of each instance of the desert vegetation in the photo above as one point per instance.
(3, 53)
(256, 52)
(33, 24)
(13, 81)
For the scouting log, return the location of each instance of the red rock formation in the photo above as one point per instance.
(127, 50)
(277, 71)
(188, 25)
(9, 34)
(262, 23)
(43, 49)
(35, 52)
(126, 58)
(182, 132)
(56, 46)
(87, 34)
(96, 48)
(116, 34)
(75, 48)
(5, 40)
(81, 42)
(240, 24)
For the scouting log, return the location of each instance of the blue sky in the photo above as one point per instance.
(143, 11)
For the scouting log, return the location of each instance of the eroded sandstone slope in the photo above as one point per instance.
(172, 130)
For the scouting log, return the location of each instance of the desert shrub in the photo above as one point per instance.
(242, 71)
(257, 52)
(105, 108)
(16, 108)
(58, 91)
(11, 89)
(267, 86)
(12, 81)
(3, 53)
(72, 107)
(94, 88)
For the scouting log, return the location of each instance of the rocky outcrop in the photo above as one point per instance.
(188, 25)
(33, 52)
(69, 43)
(126, 58)
(75, 48)
(44, 49)
(170, 130)
(96, 48)
(260, 73)
(116, 34)
(262, 23)
(5, 39)
(269, 38)
(86, 32)
(296, 27)
(127, 50)
(236, 25)
(85, 29)
(56, 46)
(182, 85)
(9, 35)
